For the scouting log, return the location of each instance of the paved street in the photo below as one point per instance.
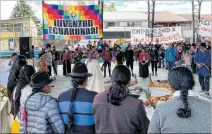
(64, 83)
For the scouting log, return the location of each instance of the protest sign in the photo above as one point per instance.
(67, 22)
(163, 35)
(205, 29)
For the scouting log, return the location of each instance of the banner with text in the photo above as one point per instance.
(67, 22)
(205, 29)
(163, 35)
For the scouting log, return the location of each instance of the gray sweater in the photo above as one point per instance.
(165, 119)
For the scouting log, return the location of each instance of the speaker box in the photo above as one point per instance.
(26, 46)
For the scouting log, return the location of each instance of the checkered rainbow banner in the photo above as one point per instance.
(67, 22)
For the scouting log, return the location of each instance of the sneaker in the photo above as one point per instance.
(202, 91)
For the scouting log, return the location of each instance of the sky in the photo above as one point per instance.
(179, 7)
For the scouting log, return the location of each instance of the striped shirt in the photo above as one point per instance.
(82, 110)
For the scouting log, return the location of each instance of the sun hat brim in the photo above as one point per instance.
(80, 75)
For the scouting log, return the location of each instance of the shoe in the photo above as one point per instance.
(202, 91)
(152, 74)
(156, 74)
(207, 93)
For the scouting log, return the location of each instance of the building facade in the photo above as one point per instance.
(12, 29)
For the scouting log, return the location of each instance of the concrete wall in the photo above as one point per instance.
(5, 118)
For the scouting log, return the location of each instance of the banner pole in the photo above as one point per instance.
(44, 41)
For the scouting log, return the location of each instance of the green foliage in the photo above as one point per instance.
(23, 9)
(109, 7)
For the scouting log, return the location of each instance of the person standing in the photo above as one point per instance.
(185, 113)
(129, 55)
(56, 60)
(119, 56)
(40, 112)
(170, 54)
(161, 57)
(154, 60)
(48, 57)
(75, 104)
(203, 61)
(143, 64)
(193, 50)
(95, 83)
(20, 94)
(107, 57)
(66, 60)
(115, 111)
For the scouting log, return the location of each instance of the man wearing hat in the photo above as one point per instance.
(41, 109)
(203, 61)
(75, 104)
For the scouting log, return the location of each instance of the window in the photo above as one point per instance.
(130, 24)
(110, 24)
(186, 26)
(116, 35)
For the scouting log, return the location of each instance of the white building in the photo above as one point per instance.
(118, 24)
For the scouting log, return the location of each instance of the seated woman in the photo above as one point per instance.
(40, 112)
(20, 93)
(115, 111)
(185, 113)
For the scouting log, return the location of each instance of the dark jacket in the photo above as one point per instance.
(154, 56)
(129, 117)
(129, 55)
(57, 55)
(82, 110)
(120, 57)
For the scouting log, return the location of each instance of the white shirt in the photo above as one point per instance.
(25, 92)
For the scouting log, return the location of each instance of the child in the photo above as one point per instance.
(42, 65)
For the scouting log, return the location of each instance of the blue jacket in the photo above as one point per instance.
(170, 54)
(82, 110)
(203, 58)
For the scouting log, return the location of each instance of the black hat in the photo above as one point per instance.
(80, 71)
(40, 80)
(203, 45)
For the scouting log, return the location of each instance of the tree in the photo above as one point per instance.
(110, 7)
(22, 9)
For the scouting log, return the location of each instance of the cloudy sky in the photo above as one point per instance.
(124, 5)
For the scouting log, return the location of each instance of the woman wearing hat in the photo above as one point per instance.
(75, 104)
(115, 111)
(95, 69)
(185, 113)
(40, 112)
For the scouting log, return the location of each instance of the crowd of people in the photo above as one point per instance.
(87, 107)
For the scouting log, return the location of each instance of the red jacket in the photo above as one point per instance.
(144, 57)
(107, 55)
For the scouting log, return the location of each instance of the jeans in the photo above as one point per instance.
(130, 65)
(171, 64)
(154, 66)
(105, 67)
(204, 83)
(55, 66)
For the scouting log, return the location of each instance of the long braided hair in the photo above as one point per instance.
(118, 90)
(19, 62)
(24, 79)
(76, 81)
(181, 79)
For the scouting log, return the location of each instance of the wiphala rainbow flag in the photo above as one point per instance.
(67, 22)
